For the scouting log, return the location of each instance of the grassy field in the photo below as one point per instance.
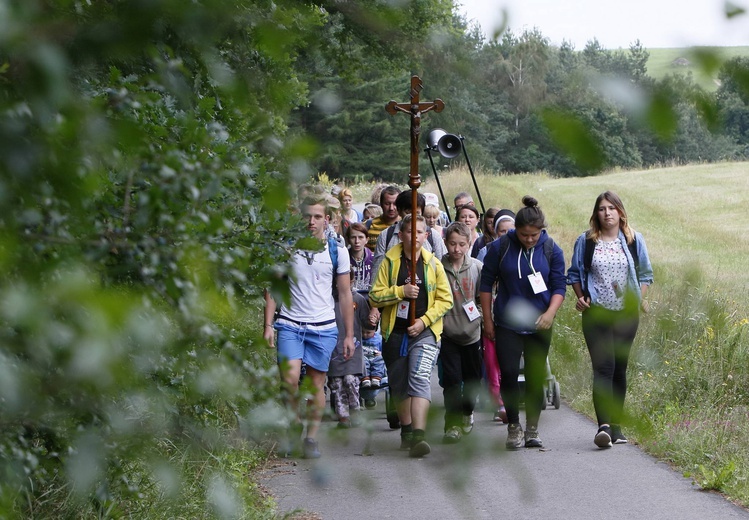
(688, 396)
(661, 62)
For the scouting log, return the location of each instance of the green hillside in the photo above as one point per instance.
(662, 62)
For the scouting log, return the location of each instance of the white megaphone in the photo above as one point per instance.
(448, 145)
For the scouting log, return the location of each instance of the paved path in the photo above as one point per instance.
(363, 475)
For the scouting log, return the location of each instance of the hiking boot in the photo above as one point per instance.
(532, 439)
(407, 440)
(344, 423)
(452, 435)
(500, 415)
(419, 449)
(467, 424)
(369, 403)
(617, 437)
(311, 449)
(603, 437)
(375, 382)
(514, 437)
(365, 383)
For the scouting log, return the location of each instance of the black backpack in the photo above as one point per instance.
(504, 245)
(590, 247)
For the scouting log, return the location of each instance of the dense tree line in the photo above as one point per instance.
(525, 105)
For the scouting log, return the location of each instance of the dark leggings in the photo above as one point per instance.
(461, 379)
(534, 348)
(609, 336)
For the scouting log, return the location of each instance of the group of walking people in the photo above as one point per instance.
(478, 297)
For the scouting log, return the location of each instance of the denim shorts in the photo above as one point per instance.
(313, 345)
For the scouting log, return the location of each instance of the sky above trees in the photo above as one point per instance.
(656, 23)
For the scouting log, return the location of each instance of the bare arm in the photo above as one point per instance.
(486, 311)
(583, 302)
(269, 333)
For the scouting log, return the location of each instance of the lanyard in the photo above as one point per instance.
(530, 260)
(457, 280)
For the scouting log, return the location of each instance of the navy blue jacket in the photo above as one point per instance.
(516, 307)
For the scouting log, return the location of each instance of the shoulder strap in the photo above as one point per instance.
(333, 252)
(548, 249)
(633, 251)
(590, 247)
(430, 238)
(389, 236)
(504, 245)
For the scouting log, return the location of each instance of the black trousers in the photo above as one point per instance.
(609, 336)
(534, 348)
(461, 379)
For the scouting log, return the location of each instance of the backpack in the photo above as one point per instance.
(504, 245)
(333, 252)
(590, 247)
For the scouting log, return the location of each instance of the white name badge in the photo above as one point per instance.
(537, 282)
(472, 310)
(402, 310)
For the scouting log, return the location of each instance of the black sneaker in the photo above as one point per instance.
(407, 440)
(419, 449)
(617, 437)
(603, 437)
(311, 449)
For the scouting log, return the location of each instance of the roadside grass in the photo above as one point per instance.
(661, 62)
(688, 397)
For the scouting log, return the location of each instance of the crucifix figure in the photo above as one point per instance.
(415, 108)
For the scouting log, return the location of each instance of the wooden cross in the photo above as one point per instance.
(415, 108)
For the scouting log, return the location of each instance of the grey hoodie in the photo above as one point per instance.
(464, 285)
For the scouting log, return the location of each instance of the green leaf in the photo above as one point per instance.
(571, 136)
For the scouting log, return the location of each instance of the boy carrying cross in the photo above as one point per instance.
(410, 349)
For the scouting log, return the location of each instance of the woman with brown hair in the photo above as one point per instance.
(610, 274)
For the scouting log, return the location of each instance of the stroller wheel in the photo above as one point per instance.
(557, 396)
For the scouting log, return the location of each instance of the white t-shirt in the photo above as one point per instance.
(311, 285)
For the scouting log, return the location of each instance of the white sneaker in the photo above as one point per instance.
(467, 424)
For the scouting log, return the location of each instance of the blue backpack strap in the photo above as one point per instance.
(333, 252)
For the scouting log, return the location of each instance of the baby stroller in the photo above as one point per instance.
(552, 393)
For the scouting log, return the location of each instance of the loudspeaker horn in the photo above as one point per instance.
(448, 145)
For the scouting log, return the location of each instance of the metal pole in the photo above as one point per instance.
(439, 185)
(473, 177)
